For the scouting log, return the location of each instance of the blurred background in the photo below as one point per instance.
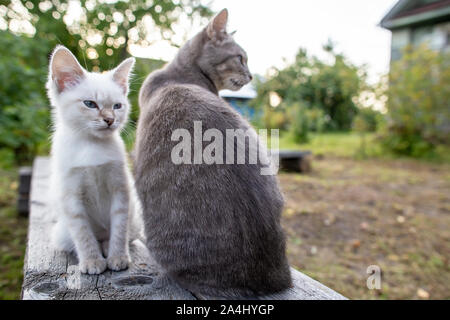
(363, 85)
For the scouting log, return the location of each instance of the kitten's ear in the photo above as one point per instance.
(65, 70)
(121, 74)
(217, 28)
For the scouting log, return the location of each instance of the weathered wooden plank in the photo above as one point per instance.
(304, 288)
(52, 275)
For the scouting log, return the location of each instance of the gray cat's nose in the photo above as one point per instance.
(109, 121)
(251, 77)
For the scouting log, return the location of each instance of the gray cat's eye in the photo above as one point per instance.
(117, 106)
(90, 104)
(241, 59)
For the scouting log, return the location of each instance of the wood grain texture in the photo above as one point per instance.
(52, 275)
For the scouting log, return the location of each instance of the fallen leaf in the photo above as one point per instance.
(423, 294)
(401, 219)
(289, 212)
(393, 257)
(356, 244)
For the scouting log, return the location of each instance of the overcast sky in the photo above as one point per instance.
(270, 30)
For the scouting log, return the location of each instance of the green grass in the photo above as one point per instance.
(353, 145)
(13, 229)
(13, 232)
(334, 144)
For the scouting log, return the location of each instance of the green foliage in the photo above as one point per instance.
(274, 118)
(332, 144)
(333, 88)
(24, 115)
(303, 121)
(418, 103)
(367, 120)
(102, 35)
(100, 38)
(299, 124)
(317, 119)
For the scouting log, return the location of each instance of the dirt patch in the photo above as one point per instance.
(347, 215)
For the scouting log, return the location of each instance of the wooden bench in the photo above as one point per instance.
(52, 275)
(290, 160)
(23, 196)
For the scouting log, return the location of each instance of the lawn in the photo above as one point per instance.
(353, 145)
(360, 208)
(13, 232)
(330, 144)
(349, 213)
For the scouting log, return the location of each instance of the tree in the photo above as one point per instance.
(314, 84)
(24, 115)
(98, 32)
(418, 118)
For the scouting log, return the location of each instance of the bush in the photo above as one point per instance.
(418, 103)
(23, 130)
(317, 119)
(367, 120)
(24, 112)
(304, 120)
(274, 118)
(331, 86)
(24, 107)
(300, 123)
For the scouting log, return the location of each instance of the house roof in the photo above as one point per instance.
(412, 12)
(246, 92)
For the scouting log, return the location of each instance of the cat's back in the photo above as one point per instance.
(180, 98)
(178, 106)
(186, 204)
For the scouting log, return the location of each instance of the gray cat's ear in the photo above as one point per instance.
(65, 70)
(217, 28)
(121, 74)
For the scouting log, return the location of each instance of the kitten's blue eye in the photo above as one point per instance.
(90, 104)
(117, 106)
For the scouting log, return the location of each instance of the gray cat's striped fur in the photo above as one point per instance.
(215, 229)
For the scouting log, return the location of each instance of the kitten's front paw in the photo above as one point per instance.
(117, 263)
(93, 266)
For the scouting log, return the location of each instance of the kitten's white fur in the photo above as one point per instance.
(91, 190)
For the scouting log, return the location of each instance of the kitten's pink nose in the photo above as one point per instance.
(109, 121)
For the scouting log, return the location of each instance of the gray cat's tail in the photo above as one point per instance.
(206, 293)
(283, 282)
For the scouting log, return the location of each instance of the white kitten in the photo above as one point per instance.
(90, 181)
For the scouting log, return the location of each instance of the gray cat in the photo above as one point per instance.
(215, 229)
